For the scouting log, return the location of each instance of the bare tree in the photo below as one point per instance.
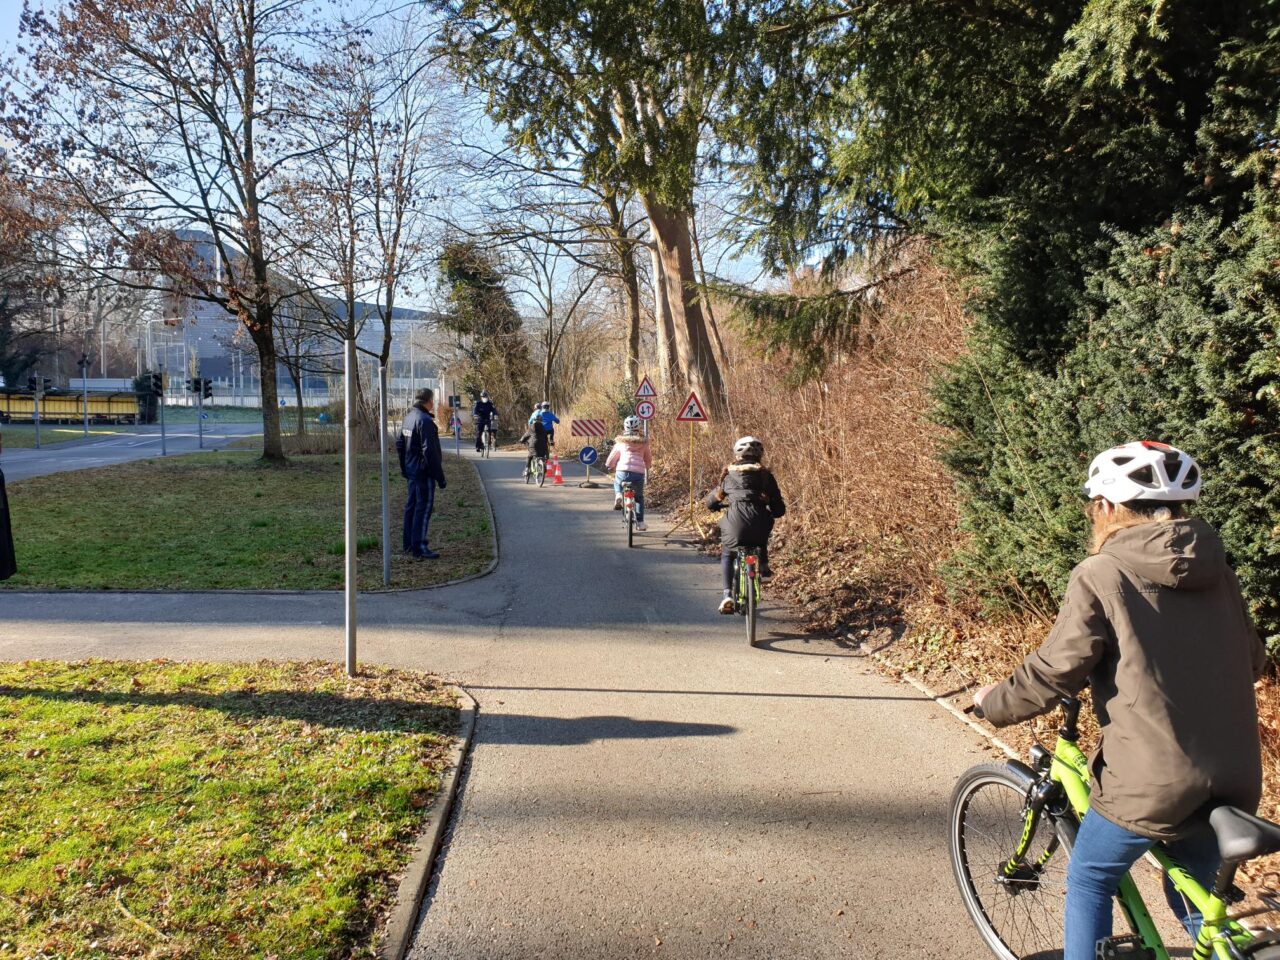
(169, 120)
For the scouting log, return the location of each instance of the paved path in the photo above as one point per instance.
(140, 443)
(643, 784)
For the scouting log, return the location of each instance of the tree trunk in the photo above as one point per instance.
(626, 253)
(297, 389)
(665, 328)
(711, 314)
(695, 353)
(272, 446)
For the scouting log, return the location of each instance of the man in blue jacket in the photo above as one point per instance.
(422, 464)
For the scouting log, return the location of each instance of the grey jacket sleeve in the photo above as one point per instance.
(1061, 667)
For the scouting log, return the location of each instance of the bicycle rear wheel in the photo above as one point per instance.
(540, 470)
(1020, 918)
(631, 527)
(749, 583)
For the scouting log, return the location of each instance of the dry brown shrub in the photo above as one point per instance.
(871, 510)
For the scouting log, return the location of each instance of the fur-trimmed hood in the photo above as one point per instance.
(629, 438)
(745, 466)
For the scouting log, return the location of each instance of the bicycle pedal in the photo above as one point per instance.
(1124, 948)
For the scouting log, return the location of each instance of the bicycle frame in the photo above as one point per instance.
(1219, 937)
(748, 575)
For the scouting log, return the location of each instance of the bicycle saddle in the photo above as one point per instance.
(1242, 837)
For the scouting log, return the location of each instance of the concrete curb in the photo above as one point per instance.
(949, 707)
(337, 592)
(402, 922)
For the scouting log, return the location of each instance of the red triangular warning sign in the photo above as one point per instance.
(645, 390)
(692, 410)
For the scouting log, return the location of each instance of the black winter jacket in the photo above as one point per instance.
(750, 497)
(418, 447)
(535, 438)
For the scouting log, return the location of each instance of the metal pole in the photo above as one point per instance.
(349, 526)
(386, 483)
(164, 449)
(36, 400)
(84, 382)
(200, 412)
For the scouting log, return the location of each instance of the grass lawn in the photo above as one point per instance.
(223, 521)
(197, 810)
(22, 436)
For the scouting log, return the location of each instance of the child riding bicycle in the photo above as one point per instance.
(536, 440)
(1155, 621)
(632, 458)
(749, 493)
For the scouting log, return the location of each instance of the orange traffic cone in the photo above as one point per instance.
(559, 479)
(551, 470)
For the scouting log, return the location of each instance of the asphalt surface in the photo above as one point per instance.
(139, 443)
(643, 783)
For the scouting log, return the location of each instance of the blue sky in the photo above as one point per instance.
(10, 10)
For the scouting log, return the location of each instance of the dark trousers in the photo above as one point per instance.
(726, 563)
(417, 514)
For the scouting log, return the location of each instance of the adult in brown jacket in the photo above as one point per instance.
(1155, 622)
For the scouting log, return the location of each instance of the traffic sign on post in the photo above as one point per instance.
(693, 411)
(587, 456)
(645, 409)
(645, 390)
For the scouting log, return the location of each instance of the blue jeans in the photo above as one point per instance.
(1103, 854)
(637, 484)
(417, 514)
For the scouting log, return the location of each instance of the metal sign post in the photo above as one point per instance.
(350, 583)
(692, 412)
(35, 399)
(587, 456)
(84, 382)
(200, 411)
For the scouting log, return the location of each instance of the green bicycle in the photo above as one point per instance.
(746, 587)
(1011, 830)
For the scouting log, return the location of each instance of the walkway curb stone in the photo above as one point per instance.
(403, 919)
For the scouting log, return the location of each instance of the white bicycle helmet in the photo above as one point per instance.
(631, 425)
(1143, 470)
(748, 448)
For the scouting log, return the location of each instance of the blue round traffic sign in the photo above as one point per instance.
(588, 455)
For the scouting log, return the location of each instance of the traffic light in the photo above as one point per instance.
(206, 388)
(193, 385)
(83, 363)
(39, 384)
(155, 384)
(31, 384)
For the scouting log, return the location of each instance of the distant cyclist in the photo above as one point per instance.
(632, 458)
(549, 420)
(749, 494)
(483, 414)
(1154, 620)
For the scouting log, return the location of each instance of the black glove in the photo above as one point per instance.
(442, 483)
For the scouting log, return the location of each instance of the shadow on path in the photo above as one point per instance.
(523, 729)
(701, 693)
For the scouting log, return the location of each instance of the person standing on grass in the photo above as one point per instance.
(632, 458)
(1155, 622)
(422, 464)
(8, 559)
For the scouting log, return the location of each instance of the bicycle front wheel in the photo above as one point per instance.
(1021, 917)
